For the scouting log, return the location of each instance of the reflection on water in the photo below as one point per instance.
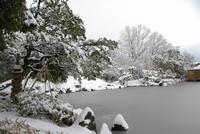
(147, 110)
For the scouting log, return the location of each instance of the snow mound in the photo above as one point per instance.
(119, 123)
(134, 83)
(105, 129)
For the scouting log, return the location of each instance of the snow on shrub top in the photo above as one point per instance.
(16, 127)
(105, 129)
(42, 105)
(119, 120)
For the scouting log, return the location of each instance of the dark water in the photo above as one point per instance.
(147, 110)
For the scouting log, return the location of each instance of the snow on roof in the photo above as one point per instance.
(195, 68)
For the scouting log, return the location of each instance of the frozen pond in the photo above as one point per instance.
(147, 110)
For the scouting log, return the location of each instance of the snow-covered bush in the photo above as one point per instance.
(151, 77)
(16, 127)
(171, 60)
(44, 106)
(169, 74)
(134, 72)
(124, 78)
(111, 74)
(176, 67)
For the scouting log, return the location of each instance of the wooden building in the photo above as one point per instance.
(193, 74)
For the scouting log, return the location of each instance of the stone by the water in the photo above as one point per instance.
(119, 123)
(105, 129)
(87, 119)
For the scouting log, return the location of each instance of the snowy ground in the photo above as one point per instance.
(45, 125)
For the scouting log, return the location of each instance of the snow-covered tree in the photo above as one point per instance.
(11, 19)
(144, 49)
(135, 40)
(171, 60)
(14, 17)
(188, 59)
(53, 44)
(138, 45)
(96, 57)
(59, 44)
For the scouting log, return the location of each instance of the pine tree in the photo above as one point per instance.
(11, 18)
(59, 43)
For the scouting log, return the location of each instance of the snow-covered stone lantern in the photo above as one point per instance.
(17, 77)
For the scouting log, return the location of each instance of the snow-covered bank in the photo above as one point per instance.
(71, 85)
(44, 126)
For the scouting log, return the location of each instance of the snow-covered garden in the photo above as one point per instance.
(44, 52)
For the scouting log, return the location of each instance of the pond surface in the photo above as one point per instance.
(147, 110)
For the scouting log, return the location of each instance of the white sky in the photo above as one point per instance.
(177, 20)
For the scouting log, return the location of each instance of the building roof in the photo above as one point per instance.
(195, 68)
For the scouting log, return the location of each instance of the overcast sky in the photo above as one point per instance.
(177, 20)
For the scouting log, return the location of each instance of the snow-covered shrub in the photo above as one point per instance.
(151, 77)
(121, 71)
(111, 74)
(169, 74)
(134, 72)
(172, 60)
(16, 127)
(124, 78)
(176, 67)
(42, 105)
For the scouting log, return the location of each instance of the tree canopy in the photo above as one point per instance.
(57, 46)
(11, 18)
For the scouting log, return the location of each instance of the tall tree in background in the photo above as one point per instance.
(139, 45)
(135, 40)
(149, 50)
(188, 59)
